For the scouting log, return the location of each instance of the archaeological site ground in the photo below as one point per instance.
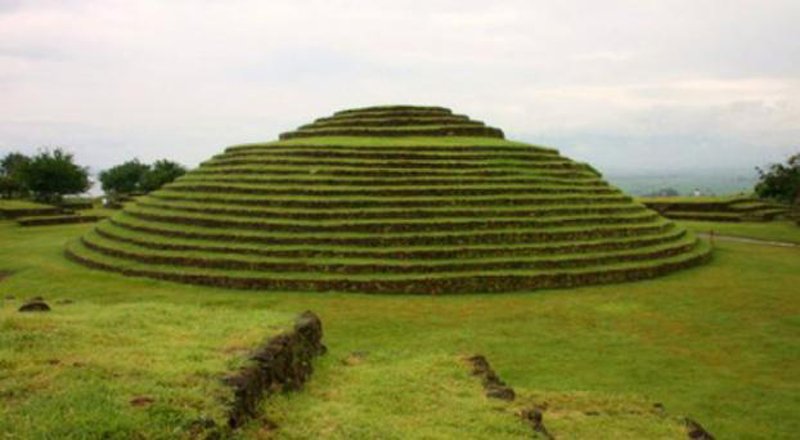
(399, 272)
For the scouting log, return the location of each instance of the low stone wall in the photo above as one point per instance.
(282, 364)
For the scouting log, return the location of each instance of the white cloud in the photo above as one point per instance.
(621, 83)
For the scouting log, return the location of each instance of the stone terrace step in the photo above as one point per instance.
(116, 233)
(483, 281)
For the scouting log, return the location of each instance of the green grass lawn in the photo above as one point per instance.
(719, 343)
(75, 371)
(773, 231)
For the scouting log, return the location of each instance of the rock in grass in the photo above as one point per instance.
(480, 365)
(534, 418)
(500, 392)
(696, 431)
(10, 297)
(35, 306)
(493, 386)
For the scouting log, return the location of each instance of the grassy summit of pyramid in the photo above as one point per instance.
(394, 121)
(396, 199)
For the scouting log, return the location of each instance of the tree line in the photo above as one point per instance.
(50, 175)
(134, 177)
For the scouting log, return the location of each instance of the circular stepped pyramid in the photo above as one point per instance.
(363, 202)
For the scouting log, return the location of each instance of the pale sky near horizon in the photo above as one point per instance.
(626, 85)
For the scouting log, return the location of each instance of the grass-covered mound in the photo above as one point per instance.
(390, 214)
(721, 209)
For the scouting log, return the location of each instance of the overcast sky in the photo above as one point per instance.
(625, 85)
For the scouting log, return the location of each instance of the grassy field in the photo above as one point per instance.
(112, 358)
(719, 343)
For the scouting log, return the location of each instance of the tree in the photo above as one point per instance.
(134, 176)
(780, 182)
(11, 181)
(52, 174)
(162, 172)
(125, 178)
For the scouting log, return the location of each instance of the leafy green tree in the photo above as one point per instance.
(11, 179)
(125, 178)
(162, 172)
(134, 176)
(52, 174)
(780, 182)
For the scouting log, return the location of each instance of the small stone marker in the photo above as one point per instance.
(500, 392)
(35, 306)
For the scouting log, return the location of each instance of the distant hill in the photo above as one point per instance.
(710, 182)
